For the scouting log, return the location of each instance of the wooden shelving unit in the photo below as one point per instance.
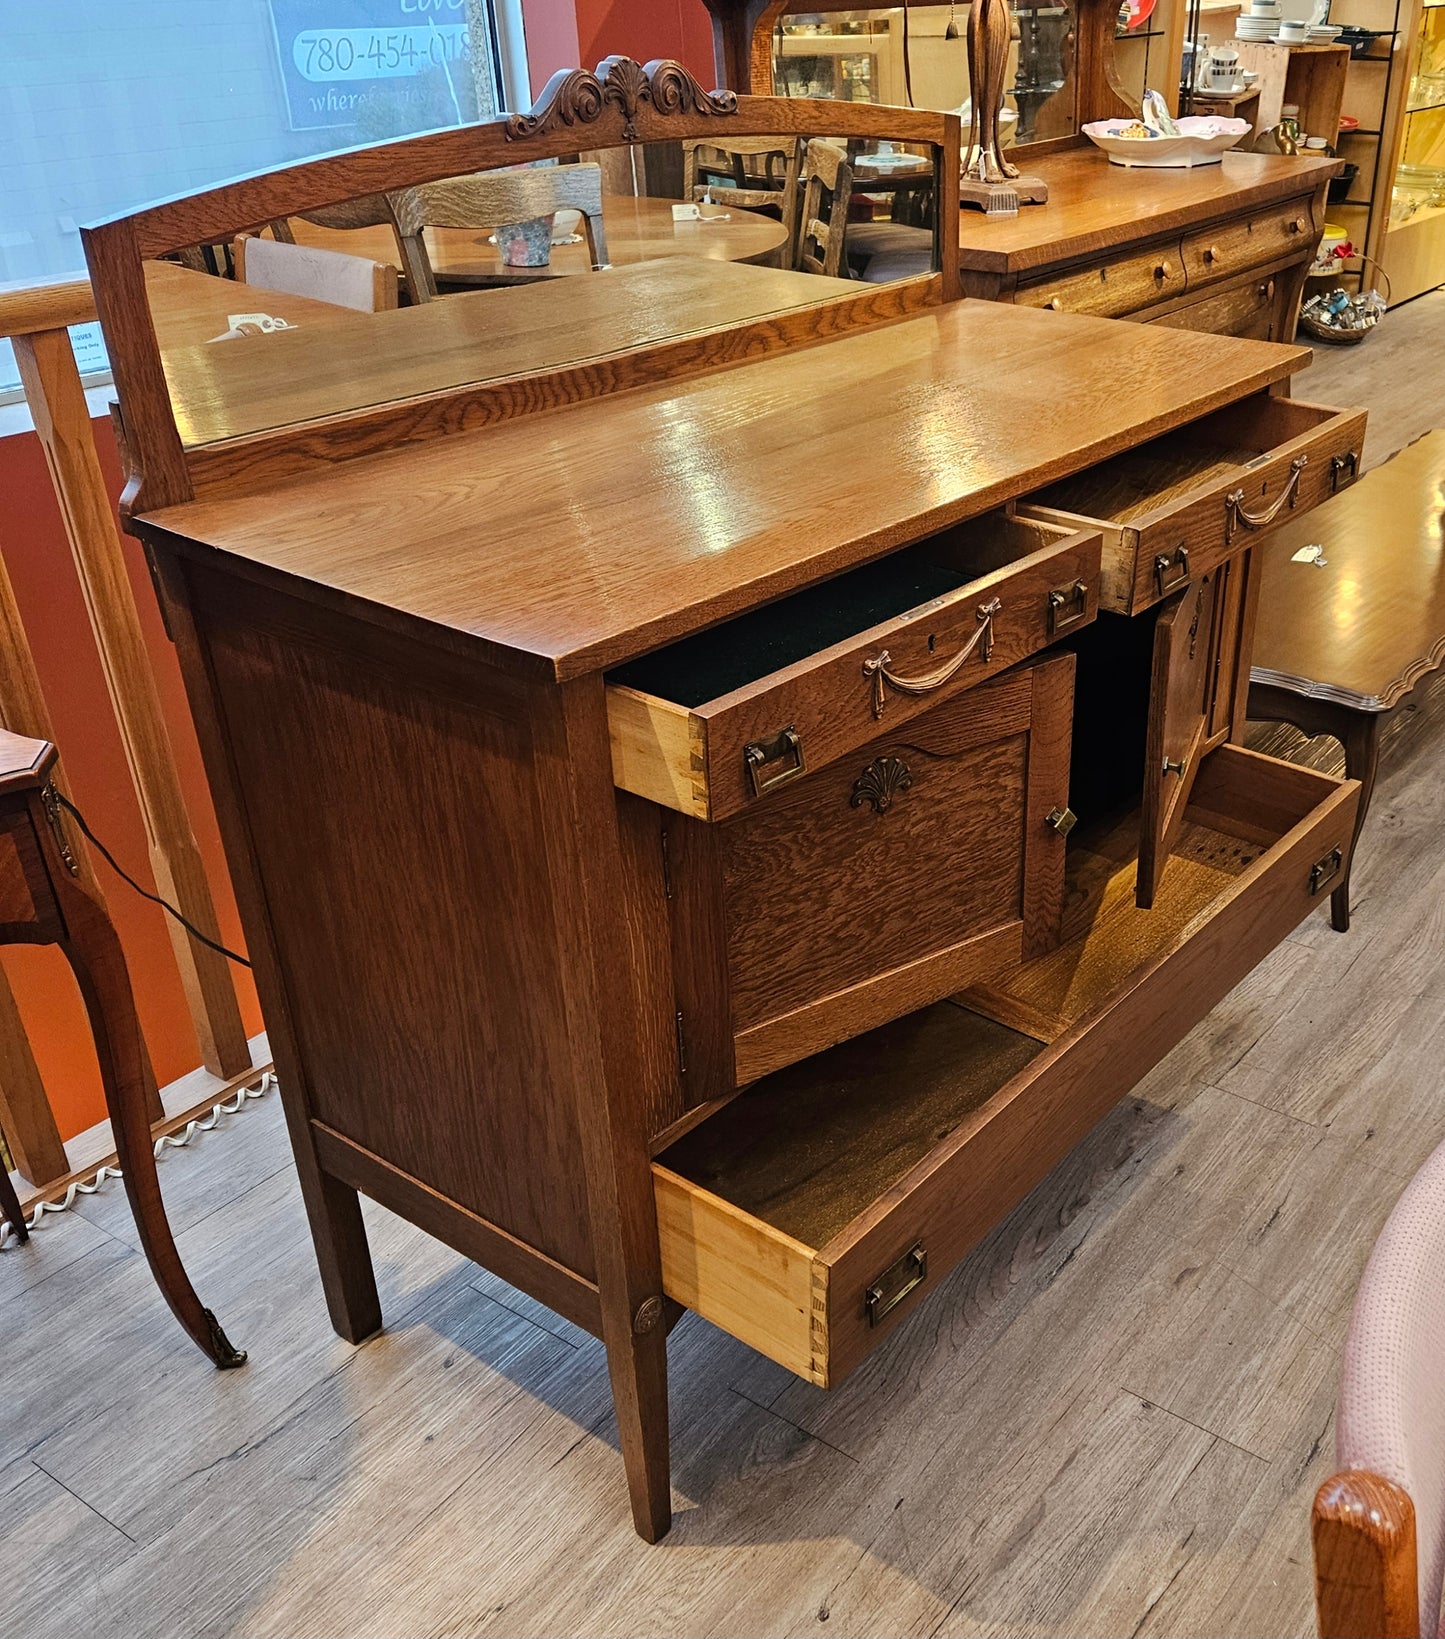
(1375, 90)
(1414, 246)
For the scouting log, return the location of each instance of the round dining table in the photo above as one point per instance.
(637, 229)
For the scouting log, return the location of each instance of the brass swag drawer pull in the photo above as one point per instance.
(1235, 511)
(786, 746)
(896, 1282)
(877, 668)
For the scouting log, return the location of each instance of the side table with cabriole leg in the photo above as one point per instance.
(43, 903)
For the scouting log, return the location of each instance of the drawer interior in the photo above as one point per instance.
(809, 1149)
(783, 1213)
(1142, 481)
(733, 656)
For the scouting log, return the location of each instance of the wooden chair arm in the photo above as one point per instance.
(1366, 1576)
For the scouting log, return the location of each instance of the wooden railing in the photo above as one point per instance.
(35, 318)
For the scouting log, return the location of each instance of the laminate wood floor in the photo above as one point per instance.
(1109, 1421)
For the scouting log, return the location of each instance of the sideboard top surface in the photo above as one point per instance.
(1094, 206)
(570, 541)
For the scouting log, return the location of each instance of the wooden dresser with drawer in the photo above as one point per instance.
(1220, 248)
(718, 843)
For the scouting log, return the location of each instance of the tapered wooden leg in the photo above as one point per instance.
(1361, 740)
(10, 1206)
(339, 1233)
(637, 1367)
(93, 951)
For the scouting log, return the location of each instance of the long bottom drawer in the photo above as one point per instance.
(810, 1215)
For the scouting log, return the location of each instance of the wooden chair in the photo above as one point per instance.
(488, 198)
(751, 173)
(1379, 1523)
(827, 190)
(323, 275)
(44, 902)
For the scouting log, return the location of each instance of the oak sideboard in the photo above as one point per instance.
(714, 826)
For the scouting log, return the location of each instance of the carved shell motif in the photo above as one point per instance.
(575, 97)
(879, 782)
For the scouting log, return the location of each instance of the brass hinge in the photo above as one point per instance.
(681, 1046)
(50, 803)
(666, 867)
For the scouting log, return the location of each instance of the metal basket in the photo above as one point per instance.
(1340, 336)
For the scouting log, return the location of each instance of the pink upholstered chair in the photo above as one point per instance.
(1379, 1523)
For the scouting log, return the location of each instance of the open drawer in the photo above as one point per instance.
(710, 725)
(811, 1214)
(1174, 507)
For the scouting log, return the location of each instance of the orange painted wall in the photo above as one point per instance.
(644, 29)
(37, 556)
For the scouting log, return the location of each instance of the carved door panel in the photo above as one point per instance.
(1180, 699)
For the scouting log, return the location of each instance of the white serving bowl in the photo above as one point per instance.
(1202, 140)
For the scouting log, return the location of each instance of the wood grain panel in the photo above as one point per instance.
(398, 889)
(518, 568)
(1217, 252)
(1112, 287)
(1095, 207)
(1174, 492)
(738, 1272)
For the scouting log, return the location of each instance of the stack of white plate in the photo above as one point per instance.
(1323, 34)
(1255, 28)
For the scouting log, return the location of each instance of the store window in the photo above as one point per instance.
(106, 105)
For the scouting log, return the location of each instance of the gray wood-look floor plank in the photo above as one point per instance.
(1109, 1420)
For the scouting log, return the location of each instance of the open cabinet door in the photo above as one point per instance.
(1179, 704)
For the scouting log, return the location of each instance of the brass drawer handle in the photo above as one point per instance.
(784, 746)
(1339, 463)
(1235, 511)
(1298, 225)
(1213, 254)
(1161, 272)
(1324, 871)
(1060, 599)
(1054, 304)
(896, 1282)
(1164, 563)
(877, 668)
(1181, 768)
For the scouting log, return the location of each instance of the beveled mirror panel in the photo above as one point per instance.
(600, 260)
(917, 56)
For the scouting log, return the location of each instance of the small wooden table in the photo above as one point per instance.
(43, 902)
(638, 230)
(1340, 643)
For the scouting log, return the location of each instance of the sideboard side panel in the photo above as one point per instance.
(391, 797)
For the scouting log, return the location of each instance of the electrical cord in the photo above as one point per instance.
(145, 893)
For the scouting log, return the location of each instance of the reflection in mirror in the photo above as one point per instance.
(916, 56)
(505, 273)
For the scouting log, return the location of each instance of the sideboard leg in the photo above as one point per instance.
(339, 1233)
(638, 1369)
(1361, 736)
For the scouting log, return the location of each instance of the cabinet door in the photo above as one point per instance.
(1180, 707)
(928, 858)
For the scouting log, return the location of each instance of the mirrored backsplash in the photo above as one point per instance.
(917, 56)
(504, 273)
